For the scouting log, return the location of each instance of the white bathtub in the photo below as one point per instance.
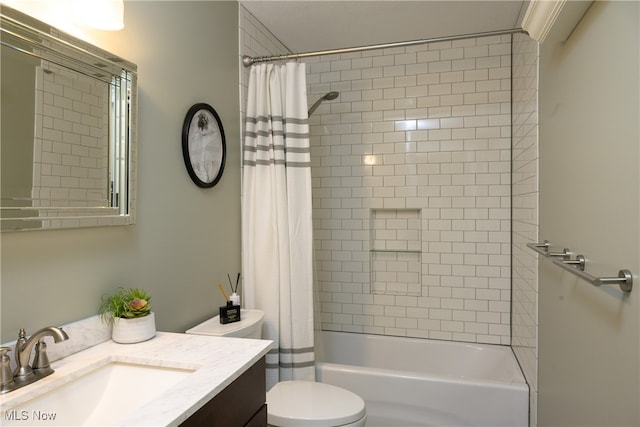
(419, 382)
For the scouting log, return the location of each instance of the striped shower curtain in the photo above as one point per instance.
(276, 217)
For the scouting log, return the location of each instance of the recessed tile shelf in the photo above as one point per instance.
(395, 252)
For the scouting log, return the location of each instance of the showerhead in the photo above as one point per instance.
(331, 95)
(327, 96)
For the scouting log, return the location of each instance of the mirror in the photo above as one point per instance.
(67, 131)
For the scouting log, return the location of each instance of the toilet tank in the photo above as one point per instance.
(249, 327)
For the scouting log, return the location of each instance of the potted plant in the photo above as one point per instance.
(129, 311)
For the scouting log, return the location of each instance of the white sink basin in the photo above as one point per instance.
(101, 397)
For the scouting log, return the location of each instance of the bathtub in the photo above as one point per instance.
(419, 382)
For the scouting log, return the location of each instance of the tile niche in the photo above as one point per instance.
(395, 251)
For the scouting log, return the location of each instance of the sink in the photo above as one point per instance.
(101, 397)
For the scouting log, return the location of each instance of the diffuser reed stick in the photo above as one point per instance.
(223, 292)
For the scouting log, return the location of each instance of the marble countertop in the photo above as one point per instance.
(216, 361)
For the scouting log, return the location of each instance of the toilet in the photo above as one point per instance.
(294, 403)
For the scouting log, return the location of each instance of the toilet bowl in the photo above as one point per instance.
(293, 403)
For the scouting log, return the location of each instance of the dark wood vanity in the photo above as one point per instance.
(241, 403)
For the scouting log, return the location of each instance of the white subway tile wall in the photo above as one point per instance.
(525, 210)
(424, 130)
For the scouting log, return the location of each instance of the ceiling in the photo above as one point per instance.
(310, 25)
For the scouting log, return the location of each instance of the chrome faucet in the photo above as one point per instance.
(24, 373)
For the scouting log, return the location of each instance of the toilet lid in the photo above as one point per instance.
(295, 403)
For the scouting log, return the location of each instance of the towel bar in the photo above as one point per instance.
(579, 262)
(576, 266)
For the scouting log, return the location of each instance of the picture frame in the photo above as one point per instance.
(203, 145)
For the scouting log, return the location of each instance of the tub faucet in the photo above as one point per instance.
(25, 374)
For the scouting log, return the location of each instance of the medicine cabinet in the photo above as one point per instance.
(68, 130)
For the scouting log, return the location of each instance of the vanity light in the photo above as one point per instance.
(52, 12)
(100, 14)
(69, 15)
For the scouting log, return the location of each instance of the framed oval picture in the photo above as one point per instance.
(203, 145)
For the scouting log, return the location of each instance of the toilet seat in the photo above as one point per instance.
(308, 403)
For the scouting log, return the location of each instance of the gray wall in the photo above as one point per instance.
(186, 238)
(589, 202)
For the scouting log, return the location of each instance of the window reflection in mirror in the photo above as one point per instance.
(67, 130)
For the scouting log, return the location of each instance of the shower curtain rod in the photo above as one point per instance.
(247, 61)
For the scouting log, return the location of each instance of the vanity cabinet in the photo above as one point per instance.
(241, 403)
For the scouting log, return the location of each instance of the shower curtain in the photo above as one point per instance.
(276, 217)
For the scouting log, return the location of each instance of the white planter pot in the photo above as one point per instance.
(129, 331)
